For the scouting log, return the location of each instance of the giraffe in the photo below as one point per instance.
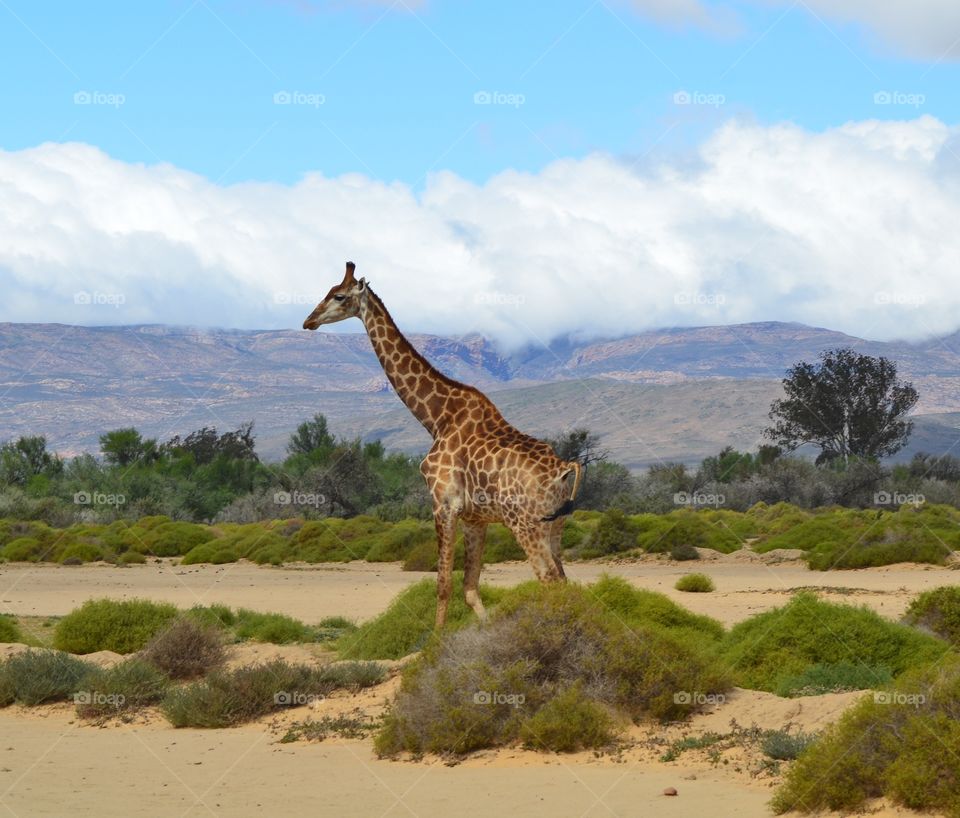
(480, 469)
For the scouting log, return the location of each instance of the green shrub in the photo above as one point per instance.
(131, 558)
(228, 698)
(837, 677)
(615, 533)
(550, 650)
(186, 649)
(903, 744)
(9, 632)
(683, 552)
(279, 629)
(129, 685)
(81, 552)
(937, 611)
(173, 538)
(642, 607)
(769, 650)
(695, 584)
(24, 549)
(400, 539)
(215, 615)
(783, 746)
(38, 676)
(107, 624)
(407, 625)
(568, 722)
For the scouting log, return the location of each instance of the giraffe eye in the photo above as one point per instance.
(339, 297)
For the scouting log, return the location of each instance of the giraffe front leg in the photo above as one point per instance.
(534, 539)
(473, 535)
(445, 521)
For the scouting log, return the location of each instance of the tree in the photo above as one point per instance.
(310, 435)
(848, 404)
(26, 458)
(581, 445)
(121, 447)
(206, 444)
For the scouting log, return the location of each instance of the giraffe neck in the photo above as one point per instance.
(420, 386)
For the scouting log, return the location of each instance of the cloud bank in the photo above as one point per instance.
(927, 30)
(853, 228)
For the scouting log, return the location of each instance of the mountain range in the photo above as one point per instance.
(672, 394)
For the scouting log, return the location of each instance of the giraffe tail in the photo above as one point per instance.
(568, 505)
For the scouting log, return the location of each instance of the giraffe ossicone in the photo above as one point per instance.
(480, 469)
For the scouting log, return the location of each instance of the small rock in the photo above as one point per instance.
(670, 791)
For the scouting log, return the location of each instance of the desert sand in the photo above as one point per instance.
(52, 764)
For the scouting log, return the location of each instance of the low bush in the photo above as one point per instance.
(695, 584)
(128, 685)
(279, 629)
(228, 698)
(407, 625)
(903, 744)
(186, 649)
(642, 607)
(937, 611)
(107, 624)
(39, 676)
(546, 655)
(771, 650)
(836, 677)
(9, 632)
(684, 552)
(570, 721)
(781, 745)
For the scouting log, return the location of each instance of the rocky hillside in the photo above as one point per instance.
(666, 394)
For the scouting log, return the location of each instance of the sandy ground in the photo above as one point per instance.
(746, 584)
(52, 764)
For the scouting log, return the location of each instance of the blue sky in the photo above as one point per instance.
(397, 83)
(523, 170)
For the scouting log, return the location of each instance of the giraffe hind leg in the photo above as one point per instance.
(473, 541)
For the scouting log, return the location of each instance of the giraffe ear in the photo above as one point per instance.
(361, 285)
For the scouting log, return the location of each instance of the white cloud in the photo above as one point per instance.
(853, 228)
(926, 29)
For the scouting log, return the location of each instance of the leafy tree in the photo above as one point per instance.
(206, 444)
(122, 447)
(26, 458)
(848, 404)
(310, 436)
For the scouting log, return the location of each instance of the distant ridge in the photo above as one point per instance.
(676, 392)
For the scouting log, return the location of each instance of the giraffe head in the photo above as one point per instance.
(343, 301)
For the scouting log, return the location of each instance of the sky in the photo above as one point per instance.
(523, 170)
